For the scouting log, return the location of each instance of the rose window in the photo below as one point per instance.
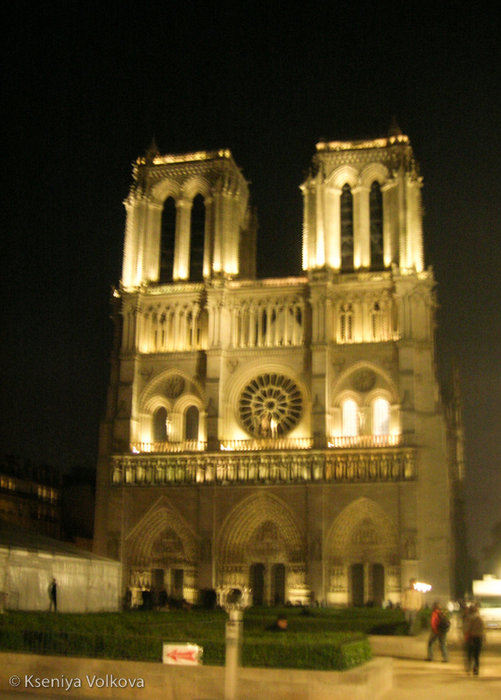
(271, 405)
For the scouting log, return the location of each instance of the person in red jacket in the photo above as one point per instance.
(439, 627)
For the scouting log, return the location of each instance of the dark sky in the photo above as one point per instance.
(87, 85)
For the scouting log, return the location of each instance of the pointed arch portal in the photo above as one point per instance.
(362, 546)
(162, 553)
(261, 545)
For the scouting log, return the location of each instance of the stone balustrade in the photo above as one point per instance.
(328, 466)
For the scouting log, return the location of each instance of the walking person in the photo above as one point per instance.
(439, 627)
(412, 602)
(474, 637)
(53, 595)
(465, 612)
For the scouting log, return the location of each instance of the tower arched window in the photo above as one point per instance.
(197, 236)
(380, 417)
(160, 432)
(376, 226)
(191, 422)
(346, 323)
(346, 228)
(189, 340)
(350, 418)
(167, 240)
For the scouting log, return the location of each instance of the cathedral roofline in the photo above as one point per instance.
(363, 144)
(221, 154)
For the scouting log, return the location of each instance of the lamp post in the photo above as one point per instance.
(234, 601)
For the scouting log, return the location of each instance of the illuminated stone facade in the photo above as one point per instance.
(283, 434)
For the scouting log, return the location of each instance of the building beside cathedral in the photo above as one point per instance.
(283, 434)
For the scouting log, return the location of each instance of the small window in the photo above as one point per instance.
(381, 417)
(376, 226)
(160, 425)
(197, 236)
(346, 323)
(350, 418)
(346, 228)
(167, 238)
(191, 423)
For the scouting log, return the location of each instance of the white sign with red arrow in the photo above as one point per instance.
(182, 654)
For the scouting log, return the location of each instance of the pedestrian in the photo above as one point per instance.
(465, 610)
(53, 595)
(439, 627)
(412, 602)
(474, 637)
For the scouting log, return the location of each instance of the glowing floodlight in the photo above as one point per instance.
(422, 587)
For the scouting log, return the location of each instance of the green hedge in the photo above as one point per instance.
(55, 642)
(272, 650)
(332, 652)
(210, 624)
(321, 620)
(316, 639)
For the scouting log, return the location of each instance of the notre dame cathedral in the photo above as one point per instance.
(284, 434)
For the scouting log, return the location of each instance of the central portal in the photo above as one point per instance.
(357, 585)
(367, 584)
(257, 583)
(267, 582)
(278, 584)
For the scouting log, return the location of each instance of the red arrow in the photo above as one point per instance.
(179, 655)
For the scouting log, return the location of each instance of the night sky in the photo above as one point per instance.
(87, 85)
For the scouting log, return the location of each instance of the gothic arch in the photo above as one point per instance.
(164, 189)
(362, 531)
(186, 400)
(364, 383)
(161, 519)
(346, 395)
(194, 186)
(154, 387)
(175, 391)
(374, 172)
(157, 401)
(384, 384)
(247, 519)
(345, 175)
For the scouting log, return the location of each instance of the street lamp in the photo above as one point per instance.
(234, 601)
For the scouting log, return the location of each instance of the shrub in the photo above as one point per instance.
(316, 638)
(322, 620)
(305, 651)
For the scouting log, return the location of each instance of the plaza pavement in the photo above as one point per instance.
(417, 679)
